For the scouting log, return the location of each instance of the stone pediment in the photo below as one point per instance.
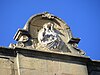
(48, 33)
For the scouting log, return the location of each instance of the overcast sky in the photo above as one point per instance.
(82, 16)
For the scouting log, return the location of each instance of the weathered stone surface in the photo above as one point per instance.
(51, 66)
(47, 32)
(45, 46)
(20, 61)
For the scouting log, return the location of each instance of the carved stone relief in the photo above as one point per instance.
(47, 32)
(48, 37)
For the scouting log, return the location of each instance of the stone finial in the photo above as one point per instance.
(48, 15)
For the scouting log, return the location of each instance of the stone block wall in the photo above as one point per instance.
(20, 61)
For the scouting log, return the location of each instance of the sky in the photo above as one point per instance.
(82, 16)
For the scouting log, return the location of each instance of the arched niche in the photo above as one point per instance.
(36, 22)
(28, 36)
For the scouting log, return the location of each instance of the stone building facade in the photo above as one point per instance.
(46, 46)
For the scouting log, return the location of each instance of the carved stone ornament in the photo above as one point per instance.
(48, 37)
(48, 33)
(48, 15)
